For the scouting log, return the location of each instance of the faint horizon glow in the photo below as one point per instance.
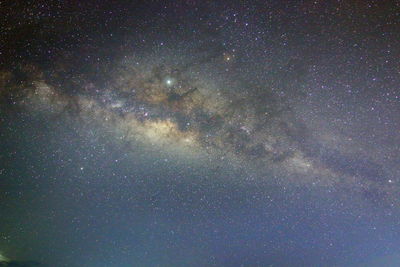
(3, 258)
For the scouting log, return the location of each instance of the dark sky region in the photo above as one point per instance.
(199, 133)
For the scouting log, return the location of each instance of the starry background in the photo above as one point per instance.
(199, 133)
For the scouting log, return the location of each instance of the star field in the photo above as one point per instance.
(199, 133)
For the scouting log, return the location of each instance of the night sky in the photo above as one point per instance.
(199, 133)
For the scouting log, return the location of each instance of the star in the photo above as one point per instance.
(169, 81)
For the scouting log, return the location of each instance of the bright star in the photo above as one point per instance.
(169, 81)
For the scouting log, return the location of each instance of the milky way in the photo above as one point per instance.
(179, 109)
(193, 114)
